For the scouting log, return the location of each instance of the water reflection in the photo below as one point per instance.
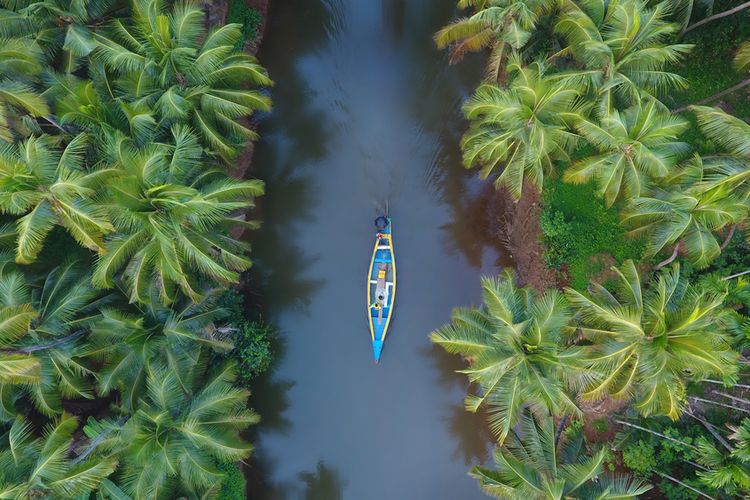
(367, 114)
(472, 436)
(323, 484)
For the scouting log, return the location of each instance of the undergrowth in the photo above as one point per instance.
(579, 232)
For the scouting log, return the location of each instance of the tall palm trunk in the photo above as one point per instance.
(720, 15)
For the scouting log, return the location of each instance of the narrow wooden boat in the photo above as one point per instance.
(381, 285)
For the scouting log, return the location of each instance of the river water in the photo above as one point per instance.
(367, 114)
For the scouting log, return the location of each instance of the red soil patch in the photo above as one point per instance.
(516, 226)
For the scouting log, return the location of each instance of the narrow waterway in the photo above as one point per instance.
(367, 114)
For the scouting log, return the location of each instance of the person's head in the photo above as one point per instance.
(380, 297)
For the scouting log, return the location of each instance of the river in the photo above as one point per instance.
(367, 114)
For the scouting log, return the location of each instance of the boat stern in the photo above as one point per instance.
(377, 348)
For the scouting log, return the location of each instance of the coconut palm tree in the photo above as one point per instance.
(513, 344)
(15, 322)
(58, 310)
(171, 217)
(730, 471)
(42, 467)
(502, 26)
(166, 63)
(48, 187)
(21, 63)
(733, 135)
(538, 463)
(523, 129)
(687, 214)
(125, 344)
(64, 28)
(624, 49)
(634, 146)
(172, 442)
(646, 344)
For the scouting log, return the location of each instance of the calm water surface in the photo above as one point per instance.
(367, 113)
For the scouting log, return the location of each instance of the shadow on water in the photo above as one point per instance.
(294, 134)
(473, 436)
(366, 109)
(323, 484)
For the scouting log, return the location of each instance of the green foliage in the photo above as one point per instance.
(252, 339)
(118, 119)
(640, 457)
(708, 68)
(252, 348)
(649, 342)
(249, 18)
(234, 483)
(515, 342)
(600, 424)
(673, 491)
(522, 130)
(577, 228)
(538, 466)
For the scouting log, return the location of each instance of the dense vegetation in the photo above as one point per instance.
(630, 371)
(119, 120)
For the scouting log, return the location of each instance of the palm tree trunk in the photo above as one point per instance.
(710, 428)
(720, 15)
(560, 428)
(719, 382)
(736, 276)
(685, 485)
(743, 83)
(728, 238)
(735, 408)
(655, 433)
(733, 398)
(670, 259)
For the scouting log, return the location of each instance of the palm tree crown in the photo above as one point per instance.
(49, 187)
(171, 216)
(126, 344)
(48, 318)
(173, 440)
(503, 26)
(41, 467)
(647, 343)
(513, 344)
(170, 70)
(623, 46)
(522, 129)
(537, 463)
(635, 146)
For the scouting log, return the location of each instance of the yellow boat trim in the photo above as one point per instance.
(389, 239)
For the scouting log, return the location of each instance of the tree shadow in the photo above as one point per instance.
(473, 438)
(323, 484)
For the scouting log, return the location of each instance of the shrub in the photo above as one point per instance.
(252, 348)
(249, 18)
(600, 424)
(253, 339)
(640, 457)
(577, 227)
(233, 487)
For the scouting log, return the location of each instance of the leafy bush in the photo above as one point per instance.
(234, 484)
(640, 457)
(673, 491)
(252, 348)
(577, 227)
(253, 339)
(249, 18)
(600, 424)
